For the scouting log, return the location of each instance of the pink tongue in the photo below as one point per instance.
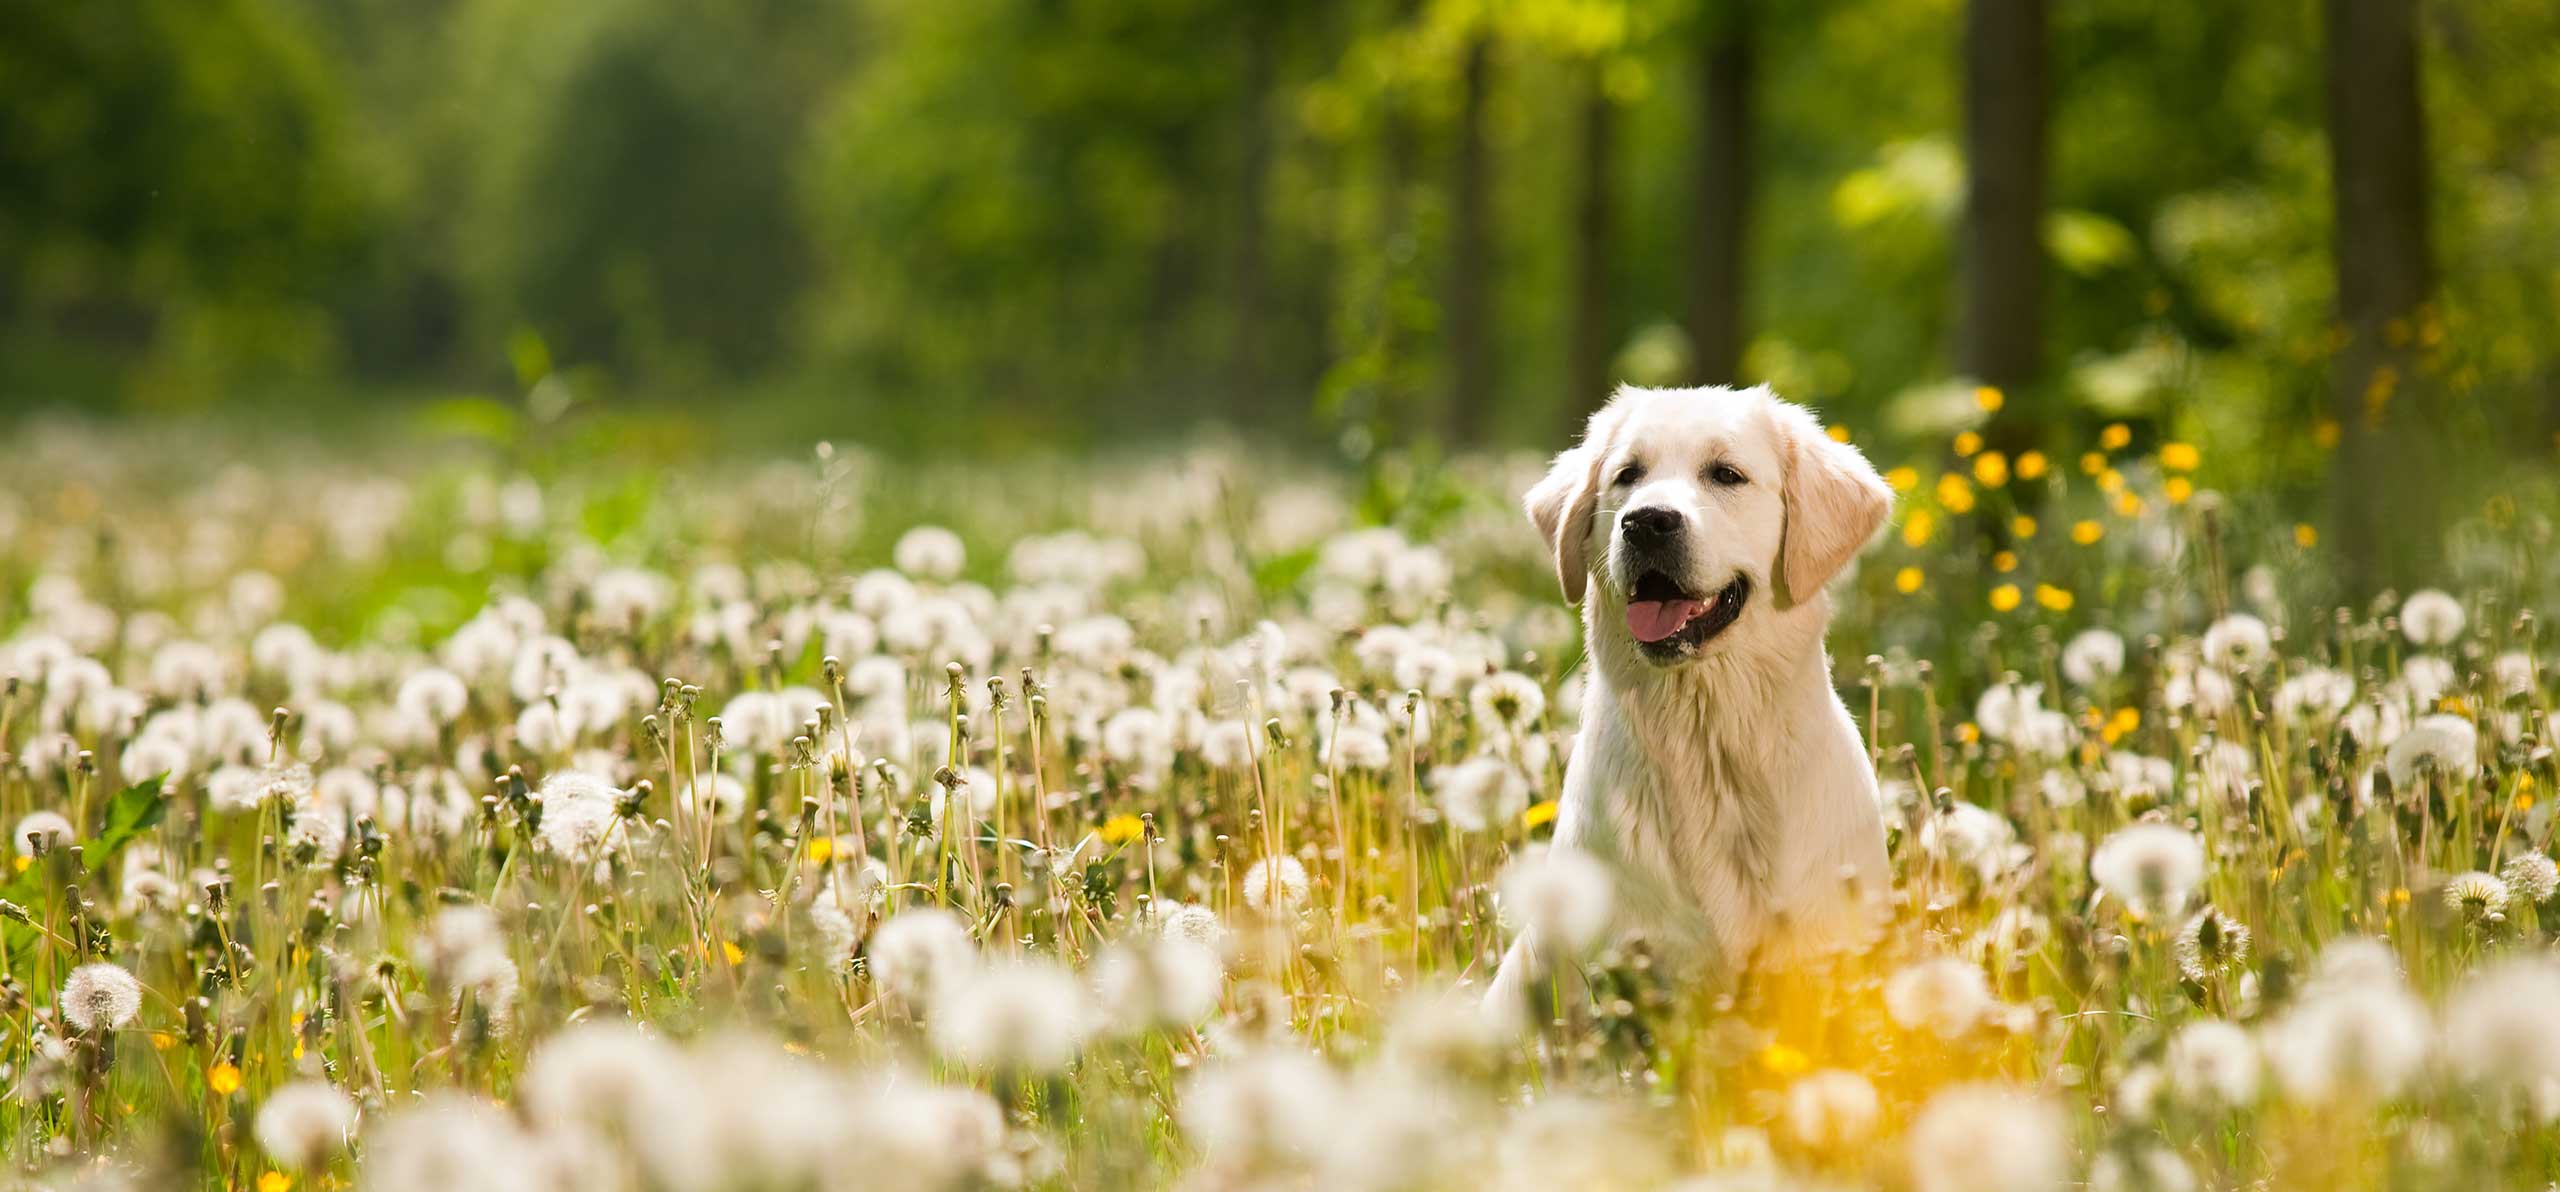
(1654, 620)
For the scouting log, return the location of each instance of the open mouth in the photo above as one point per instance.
(1669, 621)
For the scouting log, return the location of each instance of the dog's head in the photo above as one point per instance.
(1686, 506)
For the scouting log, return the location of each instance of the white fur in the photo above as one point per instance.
(1728, 791)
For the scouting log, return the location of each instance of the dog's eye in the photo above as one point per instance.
(1629, 475)
(1727, 475)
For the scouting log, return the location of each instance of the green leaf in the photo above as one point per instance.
(133, 811)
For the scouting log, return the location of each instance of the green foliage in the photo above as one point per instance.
(133, 811)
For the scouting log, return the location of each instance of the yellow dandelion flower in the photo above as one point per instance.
(1541, 812)
(1955, 493)
(1968, 732)
(2087, 531)
(1917, 528)
(2305, 535)
(2324, 433)
(1991, 469)
(2524, 801)
(1907, 580)
(2180, 457)
(730, 951)
(820, 848)
(2179, 488)
(1122, 828)
(1968, 442)
(163, 1040)
(2004, 598)
(2110, 480)
(223, 1079)
(2128, 505)
(1989, 398)
(2115, 436)
(1903, 479)
(2005, 561)
(2022, 526)
(1783, 1060)
(274, 1181)
(2092, 463)
(2055, 599)
(2031, 464)
(1838, 433)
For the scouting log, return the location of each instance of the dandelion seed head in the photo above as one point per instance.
(1946, 996)
(1560, 897)
(2531, 876)
(2237, 642)
(1987, 1138)
(100, 997)
(1159, 981)
(2093, 657)
(1027, 1017)
(304, 1124)
(2211, 945)
(1276, 885)
(2442, 744)
(2431, 617)
(2214, 1061)
(48, 826)
(916, 952)
(2476, 896)
(1831, 1109)
(2152, 867)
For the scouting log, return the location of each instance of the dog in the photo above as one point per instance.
(1717, 776)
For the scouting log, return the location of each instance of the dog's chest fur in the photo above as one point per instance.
(1720, 791)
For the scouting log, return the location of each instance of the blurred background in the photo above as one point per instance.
(2319, 238)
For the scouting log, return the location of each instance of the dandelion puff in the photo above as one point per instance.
(2211, 945)
(1507, 701)
(916, 952)
(914, 1134)
(2499, 1030)
(46, 826)
(2215, 1062)
(2237, 641)
(579, 813)
(2514, 672)
(2476, 897)
(1185, 921)
(1988, 1138)
(1028, 1017)
(1832, 1109)
(2151, 867)
(434, 695)
(451, 1140)
(304, 1124)
(1559, 897)
(2145, 1167)
(100, 996)
(1946, 996)
(1157, 981)
(1481, 793)
(2442, 743)
(2093, 657)
(1276, 885)
(2532, 876)
(1227, 745)
(1263, 1113)
(2431, 618)
(2363, 1038)
(930, 552)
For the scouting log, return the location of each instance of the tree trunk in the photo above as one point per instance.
(1470, 260)
(2000, 340)
(1724, 192)
(1249, 334)
(2378, 185)
(1589, 344)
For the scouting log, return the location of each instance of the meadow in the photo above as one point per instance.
(533, 815)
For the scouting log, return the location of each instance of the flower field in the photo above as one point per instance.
(458, 818)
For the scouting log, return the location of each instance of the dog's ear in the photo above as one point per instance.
(1560, 505)
(1835, 502)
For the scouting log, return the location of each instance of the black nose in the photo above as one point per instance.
(1650, 526)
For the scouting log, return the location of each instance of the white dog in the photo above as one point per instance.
(1717, 774)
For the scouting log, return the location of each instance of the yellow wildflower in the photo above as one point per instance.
(2031, 464)
(2022, 526)
(821, 848)
(2004, 598)
(2005, 561)
(1122, 828)
(2092, 463)
(2055, 599)
(2180, 457)
(2087, 531)
(1989, 398)
(2305, 535)
(1838, 433)
(1955, 493)
(274, 1181)
(2115, 436)
(1541, 812)
(223, 1078)
(1907, 580)
(1903, 479)
(2324, 433)
(2179, 488)
(1917, 528)
(1968, 442)
(1783, 1060)
(1991, 469)
(2128, 505)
